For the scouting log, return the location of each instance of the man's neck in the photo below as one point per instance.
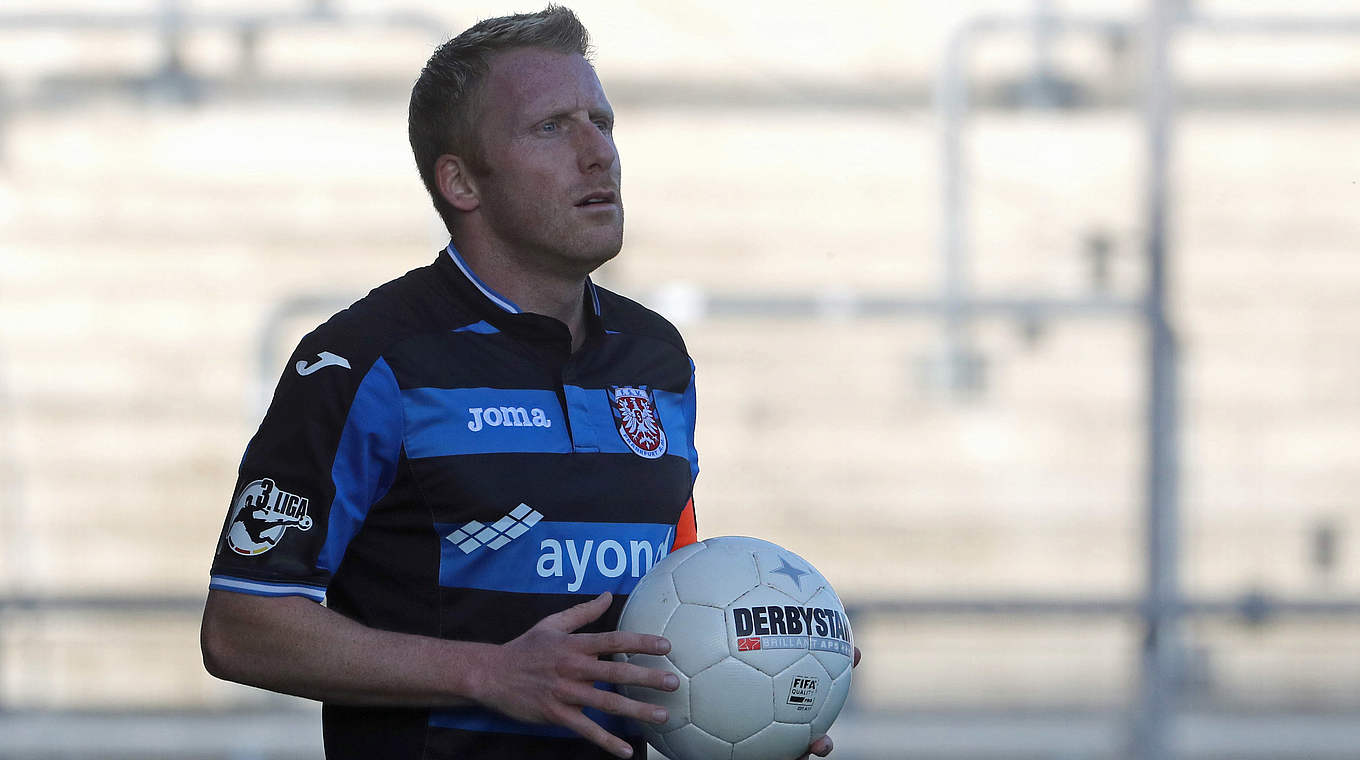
(558, 296)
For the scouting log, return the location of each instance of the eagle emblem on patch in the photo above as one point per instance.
(637, 421)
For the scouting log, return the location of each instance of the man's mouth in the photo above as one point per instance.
(599, 198)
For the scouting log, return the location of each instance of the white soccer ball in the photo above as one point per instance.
(761, 645)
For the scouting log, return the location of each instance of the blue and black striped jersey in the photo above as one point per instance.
(438, 462)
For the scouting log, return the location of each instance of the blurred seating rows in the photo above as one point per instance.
(143, 247)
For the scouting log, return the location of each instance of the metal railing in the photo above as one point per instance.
(1163, 606)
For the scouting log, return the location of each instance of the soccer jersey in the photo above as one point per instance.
(436, 461)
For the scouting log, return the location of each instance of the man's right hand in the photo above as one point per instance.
(548, 674)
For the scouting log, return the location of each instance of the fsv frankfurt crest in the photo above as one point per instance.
(637, 421)
(261, 515)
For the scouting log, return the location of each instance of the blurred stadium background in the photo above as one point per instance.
(910, 246)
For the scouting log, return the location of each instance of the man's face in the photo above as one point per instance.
(551, 195)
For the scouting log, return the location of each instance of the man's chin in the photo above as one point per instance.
(596, 259)
(595, 253)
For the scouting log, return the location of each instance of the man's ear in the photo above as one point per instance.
(456, 182)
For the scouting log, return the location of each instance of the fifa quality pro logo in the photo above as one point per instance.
(262, 514)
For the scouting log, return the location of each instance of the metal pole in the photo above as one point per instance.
(1160, 656)
(172, 40)
(1042, 79)
(951, 91)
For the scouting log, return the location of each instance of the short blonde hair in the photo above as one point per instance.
(446, 99)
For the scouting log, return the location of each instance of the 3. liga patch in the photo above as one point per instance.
(262, 514)
(637, 421)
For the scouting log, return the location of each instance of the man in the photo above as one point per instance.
(416, 436)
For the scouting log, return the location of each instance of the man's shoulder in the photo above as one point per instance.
(624, 315)
(415, 303)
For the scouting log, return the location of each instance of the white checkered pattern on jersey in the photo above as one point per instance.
(475, 535)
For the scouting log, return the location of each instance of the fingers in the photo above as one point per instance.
(594, 733)
(568, 664)
(613, 703)
(855, 663)
(625, 673)
(821, 746)
(624, 642)
(574, 617)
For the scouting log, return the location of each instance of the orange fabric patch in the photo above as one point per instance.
(686, 529)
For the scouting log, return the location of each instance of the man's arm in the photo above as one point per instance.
(295, 646)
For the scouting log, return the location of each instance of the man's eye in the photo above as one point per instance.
(604, 126)
(549, 126)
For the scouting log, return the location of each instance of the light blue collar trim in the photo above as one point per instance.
(594, 296)
(493, 296)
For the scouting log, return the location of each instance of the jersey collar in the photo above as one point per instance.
(496, 298)
(505, 304)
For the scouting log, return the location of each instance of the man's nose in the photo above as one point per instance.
(595, 150)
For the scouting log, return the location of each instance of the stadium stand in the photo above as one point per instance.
(147, 236)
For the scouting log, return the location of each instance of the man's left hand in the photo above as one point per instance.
(822, 745)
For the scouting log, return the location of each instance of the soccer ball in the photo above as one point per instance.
(759, 641)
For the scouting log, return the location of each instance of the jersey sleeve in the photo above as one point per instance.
(687, 527)
(327, 450)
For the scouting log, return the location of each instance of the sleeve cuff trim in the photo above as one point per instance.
(265, 588)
